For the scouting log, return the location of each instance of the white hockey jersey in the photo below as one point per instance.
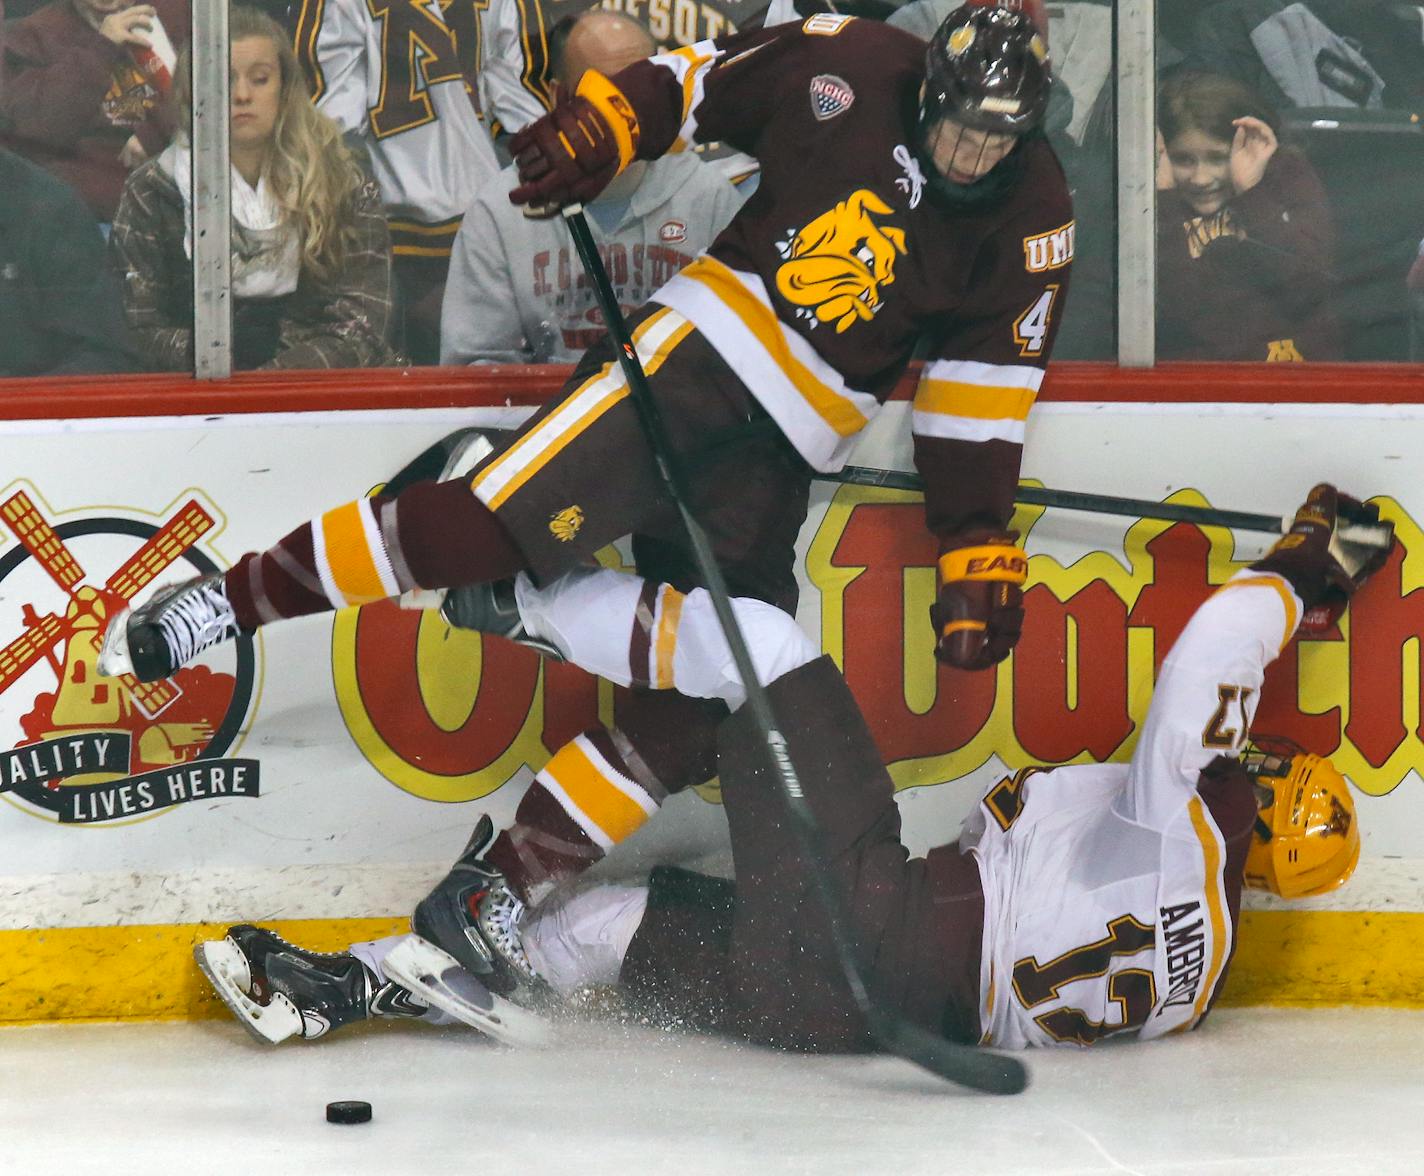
(1112, 891)
(393, 72)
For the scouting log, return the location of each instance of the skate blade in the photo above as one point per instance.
(113, 660)
(437, 978)
(226, 969)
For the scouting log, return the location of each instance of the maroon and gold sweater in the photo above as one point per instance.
(843, 261)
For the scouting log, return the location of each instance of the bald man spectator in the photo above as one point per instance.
(516, 292)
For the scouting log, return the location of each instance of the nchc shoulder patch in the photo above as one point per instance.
(830, 96)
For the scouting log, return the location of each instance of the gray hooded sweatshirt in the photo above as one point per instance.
(516, 292)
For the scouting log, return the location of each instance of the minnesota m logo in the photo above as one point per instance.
(417, 51)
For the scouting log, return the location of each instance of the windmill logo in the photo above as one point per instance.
(85, 749)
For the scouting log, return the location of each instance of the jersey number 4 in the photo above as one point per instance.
(1031, 327)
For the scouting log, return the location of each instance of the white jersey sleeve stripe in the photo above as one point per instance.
(689, 65)
(986, 375)
(926, 424)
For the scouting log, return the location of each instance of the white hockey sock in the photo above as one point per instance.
(634, 633)
(582, 939)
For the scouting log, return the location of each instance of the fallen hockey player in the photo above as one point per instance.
(1078, 902)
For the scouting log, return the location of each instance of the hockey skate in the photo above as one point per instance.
(472, 918)
(277, 990)
(152, 641)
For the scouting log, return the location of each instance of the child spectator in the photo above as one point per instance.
(1244, 236)
(516, 292)
(87, 90)
(311, 269)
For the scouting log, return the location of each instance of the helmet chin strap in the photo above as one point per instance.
(992, 185)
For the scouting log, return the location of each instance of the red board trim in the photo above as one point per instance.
(77, 398)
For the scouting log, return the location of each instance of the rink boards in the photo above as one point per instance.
(323, 775)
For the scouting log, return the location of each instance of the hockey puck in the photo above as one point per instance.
(348, 1111)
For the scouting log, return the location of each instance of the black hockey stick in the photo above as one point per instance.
(1142, 508)
(964, 1065)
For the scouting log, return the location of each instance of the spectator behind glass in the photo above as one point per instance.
(87, 90)
(395, 75)
(1243, 229)
(311, 268)
(59, 305)
(516, 292)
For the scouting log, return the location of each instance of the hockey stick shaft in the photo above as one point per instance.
(978, 1069)
(1140, 508)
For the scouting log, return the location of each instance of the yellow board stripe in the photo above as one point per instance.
(536, 448)
(139, 973)
(1214, 904)
(616, 814)
(1282, 590)
(666, 643)
(348, 555)
(1296, 958)
(758, 318)
(952, 398)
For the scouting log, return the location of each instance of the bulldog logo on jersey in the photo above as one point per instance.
(565, 525)
(837, 266)
(830, 96)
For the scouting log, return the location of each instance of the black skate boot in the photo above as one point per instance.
(278, 990)
(179, 622)
(491, 608)
(474, 917)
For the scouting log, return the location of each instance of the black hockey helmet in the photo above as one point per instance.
(987, 67)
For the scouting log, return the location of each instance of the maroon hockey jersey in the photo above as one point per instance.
(819, 291)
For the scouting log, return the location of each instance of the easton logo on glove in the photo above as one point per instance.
(979, 612)
(998, 561)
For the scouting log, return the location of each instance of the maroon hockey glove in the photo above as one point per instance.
(567, 157)
(1325, 569)
(979, 614)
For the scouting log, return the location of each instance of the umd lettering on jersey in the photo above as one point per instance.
(1186, 953)
(1049, 251)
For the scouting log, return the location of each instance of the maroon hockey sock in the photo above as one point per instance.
(544, 847)
(435, 535)
(591, 794)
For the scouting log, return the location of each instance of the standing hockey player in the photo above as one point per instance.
(1078, 903)
(908, 195)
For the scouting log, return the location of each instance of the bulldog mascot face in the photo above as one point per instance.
(836, 266)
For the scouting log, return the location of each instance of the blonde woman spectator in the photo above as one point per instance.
(311, 272)
(87, 90)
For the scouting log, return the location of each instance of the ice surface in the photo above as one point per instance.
(1268, 1091)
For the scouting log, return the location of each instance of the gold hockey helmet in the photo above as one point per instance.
(1306, 840)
